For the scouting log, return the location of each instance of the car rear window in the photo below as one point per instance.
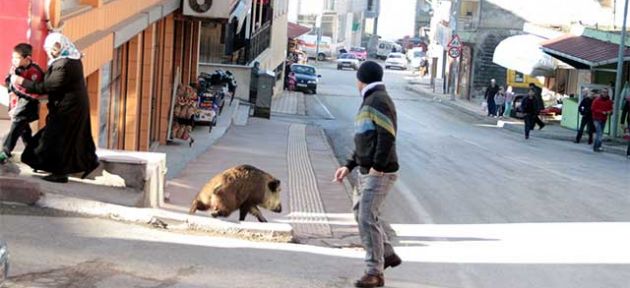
(303, 69)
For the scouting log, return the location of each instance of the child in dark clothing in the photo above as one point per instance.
(23, 107)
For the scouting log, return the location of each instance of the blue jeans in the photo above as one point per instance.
(368, 198)
(508, 108)
(599, 132)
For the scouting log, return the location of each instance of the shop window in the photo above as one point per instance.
(114, 87)
(103, 129)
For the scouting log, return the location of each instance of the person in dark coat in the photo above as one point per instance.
(540, 105)
(489, 96)
(65, 145)
(528, 108)
(253, 83)
(587, 118)
(625, 118)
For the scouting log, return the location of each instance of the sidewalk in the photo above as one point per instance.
(315, 210)
(552, 130)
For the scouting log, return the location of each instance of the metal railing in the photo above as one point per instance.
(260, 41)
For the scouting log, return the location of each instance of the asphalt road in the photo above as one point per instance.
(459, 175)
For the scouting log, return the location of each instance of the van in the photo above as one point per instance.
(309, 46)
(386, 47)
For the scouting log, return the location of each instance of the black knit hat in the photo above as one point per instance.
(370, 72)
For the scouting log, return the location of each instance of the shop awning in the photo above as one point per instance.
(296, 30)
(523, 54)
(583, 52)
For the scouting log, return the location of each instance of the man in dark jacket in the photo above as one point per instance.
(375, 155)
(540, 105)
(528, 108)
(253, 83)
(587, 118)
(489, 96)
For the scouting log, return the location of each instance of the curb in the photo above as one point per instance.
(277, 232)
(508, 126)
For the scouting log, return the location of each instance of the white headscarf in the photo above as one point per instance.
(68, 50)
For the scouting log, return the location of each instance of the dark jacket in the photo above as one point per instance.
(27, 106)
(65, 144)
(540, 104)
(490, 92)
(375, 133)
(529, 106)
(585, 107)
(625, 112)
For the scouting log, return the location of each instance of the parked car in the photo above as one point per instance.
(359, 52)
(4, 262)
(397, 60)
(347, 60)
(306, 76)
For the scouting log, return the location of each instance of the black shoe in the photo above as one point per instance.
(368, 281)
(56, 178)
(392, 261)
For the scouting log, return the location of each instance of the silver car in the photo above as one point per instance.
(4, 262)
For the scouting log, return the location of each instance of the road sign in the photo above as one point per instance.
(454, 52)
(455, 42)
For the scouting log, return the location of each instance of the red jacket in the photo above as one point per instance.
(599, 107)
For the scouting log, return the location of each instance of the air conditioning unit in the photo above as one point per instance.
(209, 8)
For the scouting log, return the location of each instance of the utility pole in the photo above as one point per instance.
(618, 84)
(318, 25)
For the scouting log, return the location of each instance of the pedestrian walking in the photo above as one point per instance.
(65, 145)
(528, 110)
(540, 105)
(625, 118)
(600, 109)
(491, 90)
(587, 117)
(253, 83)
(499, 100)
(375, 155)
(23, 107)
(509, 98)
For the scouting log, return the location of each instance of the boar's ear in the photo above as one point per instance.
(274, 185)
(218, 190)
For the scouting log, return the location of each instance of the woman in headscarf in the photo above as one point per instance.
(65, 145)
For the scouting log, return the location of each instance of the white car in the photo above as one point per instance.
(397, 60)
(347, 60)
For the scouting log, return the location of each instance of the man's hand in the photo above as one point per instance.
(341, 173)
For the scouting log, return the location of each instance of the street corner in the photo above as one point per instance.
(19, 190)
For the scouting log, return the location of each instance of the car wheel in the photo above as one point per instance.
(338, 67)
(314, 90)
(386, 67)
(321, 57)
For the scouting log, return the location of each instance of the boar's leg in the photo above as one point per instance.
(243, 212)
(254, 210)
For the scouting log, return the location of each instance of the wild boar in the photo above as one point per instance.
(242, 187)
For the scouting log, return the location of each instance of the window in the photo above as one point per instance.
(519, 77)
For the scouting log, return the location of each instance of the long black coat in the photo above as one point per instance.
(65, 144)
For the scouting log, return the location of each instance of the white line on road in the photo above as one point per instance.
(330, 116)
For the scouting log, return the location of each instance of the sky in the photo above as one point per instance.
(396, 20)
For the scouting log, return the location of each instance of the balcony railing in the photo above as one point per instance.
(260, 41)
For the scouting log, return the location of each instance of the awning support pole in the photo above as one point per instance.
(618, 84)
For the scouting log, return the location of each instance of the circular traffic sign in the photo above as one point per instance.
(454, 52)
